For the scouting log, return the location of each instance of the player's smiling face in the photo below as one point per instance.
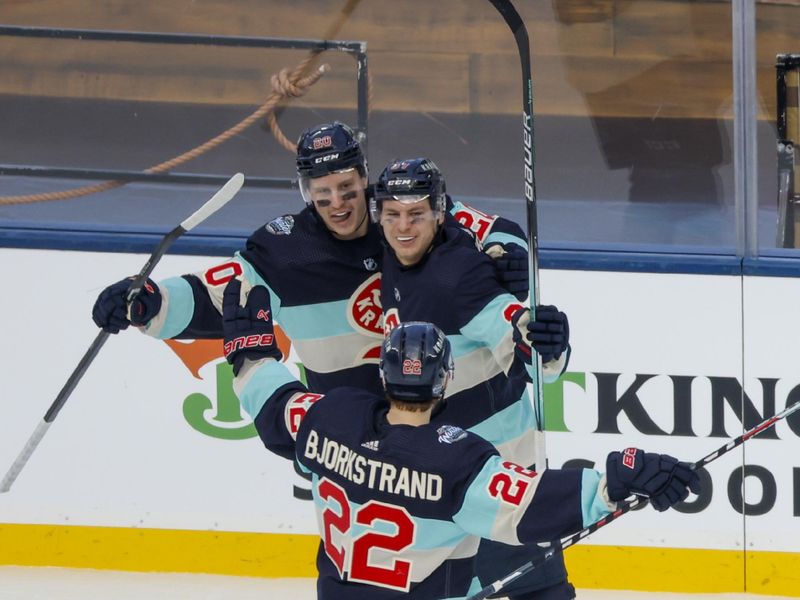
(409, 228)
(341, 204)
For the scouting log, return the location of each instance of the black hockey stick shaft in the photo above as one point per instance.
(554, 547)
(222, 197)
(517, 26)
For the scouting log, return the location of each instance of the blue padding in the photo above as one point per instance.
(194, 243)
(589, 257)
(772, 266)
(640, 261)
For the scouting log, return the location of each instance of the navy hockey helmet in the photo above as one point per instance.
(328, 148)
(409, 181)
(416, 362)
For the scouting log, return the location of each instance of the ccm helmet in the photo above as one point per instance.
(416, 362)
(325, 149)
(409, 181)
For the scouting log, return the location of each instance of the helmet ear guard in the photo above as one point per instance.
(416, 362)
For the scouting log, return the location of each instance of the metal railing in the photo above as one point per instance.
(354, 48)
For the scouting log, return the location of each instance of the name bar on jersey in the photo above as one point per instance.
(375, 474)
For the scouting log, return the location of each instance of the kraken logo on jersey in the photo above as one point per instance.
(370, 264)
(281, 226)
(364, 310)
(450, 434)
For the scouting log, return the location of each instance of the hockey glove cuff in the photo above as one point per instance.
(146, 305)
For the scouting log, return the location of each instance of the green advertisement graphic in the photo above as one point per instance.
(554, 400)
(197, 409)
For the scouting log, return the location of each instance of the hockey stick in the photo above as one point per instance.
(556, 546)
(217, 201)
(517, 26)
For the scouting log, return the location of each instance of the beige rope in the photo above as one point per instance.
(285, 85)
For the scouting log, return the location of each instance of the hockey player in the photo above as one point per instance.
(321, 266)
(429, 258)
(401, 500)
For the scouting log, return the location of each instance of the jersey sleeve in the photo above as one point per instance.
(191, 305)
(485, 311)
(276, 402)
(489, 229)
(514, 505)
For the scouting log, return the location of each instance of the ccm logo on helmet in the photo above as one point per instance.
(249, 341)
(412, 367)
(399, 182)
(326, 158)
(322, 142)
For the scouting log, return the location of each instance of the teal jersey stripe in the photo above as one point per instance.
(307, 322)
(479, 511)
(504, 238)
(264, 382)
(508, 424)
(593, 506)
(252, 276)
(489, 326)
(316, 321)
(461, 345)
(179, 309)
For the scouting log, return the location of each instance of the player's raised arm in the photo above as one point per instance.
(188, 306)
(268, 392)
(515, 505)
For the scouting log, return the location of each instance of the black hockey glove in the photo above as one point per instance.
(549, 333)
(247, 330)
(511, 268)
(660, 477)
(110, 311)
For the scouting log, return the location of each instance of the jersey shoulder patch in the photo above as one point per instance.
(281, 226)
(450, 434)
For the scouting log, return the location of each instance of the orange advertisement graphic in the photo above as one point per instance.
(219, 417)
(195, 354)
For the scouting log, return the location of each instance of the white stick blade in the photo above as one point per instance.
(217, 201)
(23, 457)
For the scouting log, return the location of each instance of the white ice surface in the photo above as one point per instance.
(48, 583)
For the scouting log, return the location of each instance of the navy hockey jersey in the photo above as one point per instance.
(324, 294)
(400, 509)
(455, 288)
